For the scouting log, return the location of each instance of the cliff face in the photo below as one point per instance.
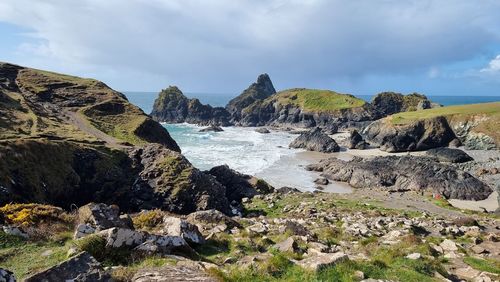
(258, 91)
(66, 140)
(173, 107)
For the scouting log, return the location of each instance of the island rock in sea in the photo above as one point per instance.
(173, 106)
(70, 141)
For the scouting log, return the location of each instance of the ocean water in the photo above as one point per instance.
(263, 155)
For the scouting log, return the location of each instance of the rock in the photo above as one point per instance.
(262, 130)
(414, 256)
(258, 91)
(83, 230)
(72, 251)
(174, 226)
(478, 249)
(405, 173)
(448, 246)
(209, 220)
(321, 181)
(423, 104)
(288, 245)
(320, 261)
(473, 133)
(101, 216)
(7, 276)
(287, 190)
(359, 275)
(212, 128)
(455, 143)
(168, 180)
(239, 185)
(170, 273)
(315, 247)
(315, 140)
(294, 228)
(172, 106)
(388, 103)
(413, 136)
(258, 228)
(467, 273)
(449, 155)
(356, 141)
(465, 221)
(82, 267)
(14, 231)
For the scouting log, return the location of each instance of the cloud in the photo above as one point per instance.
(493, 66)
(224, 44)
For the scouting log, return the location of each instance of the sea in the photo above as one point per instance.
(263, 155)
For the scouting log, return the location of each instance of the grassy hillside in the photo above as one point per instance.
(315, 100)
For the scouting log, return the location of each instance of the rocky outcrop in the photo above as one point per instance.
(82, 267)
(477, 132)
(175, 226)
(173, 107)
(258, 91)
(239, 185)
(356, 141)
(406, 173)
(315, 140)
(167, 180)
(101, 216)
(414, 136)
(449, 155)
(388, 103)
(212, 221)
(212, 128)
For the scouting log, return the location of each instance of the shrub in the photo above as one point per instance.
(148, 219)
(33, 214)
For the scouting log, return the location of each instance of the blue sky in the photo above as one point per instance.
(436, 47)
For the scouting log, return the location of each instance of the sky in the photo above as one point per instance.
(435, 47)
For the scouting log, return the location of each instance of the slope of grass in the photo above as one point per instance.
(486, 109)
(315, 100)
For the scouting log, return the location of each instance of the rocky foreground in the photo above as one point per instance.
(282, 236)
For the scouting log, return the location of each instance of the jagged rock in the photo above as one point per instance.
(212, 128)
(239, 185)
(100, 216)
(414, 136)
(208, 220)
(320, 261)
(449, 155)
(7, 276)
(177, 273)
(405, 173)
(473, 133)
(260, 90)
(388, 103)
(143, 242)
(174, 226)
(262, 130)
(356, 141)
(321, 181)
(167, 180)
(288, 245)
(172, 106)
(424, 104)
(82, 267)
(315, 140)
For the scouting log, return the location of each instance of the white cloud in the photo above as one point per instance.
(493, 66)
(224, 44)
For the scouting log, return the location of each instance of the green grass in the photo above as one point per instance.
(314, 100)
(487, 109)
(26, 257)
(492, 266)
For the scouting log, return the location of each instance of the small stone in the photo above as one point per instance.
(414, 256)
(448, 245)
(47, 253)
(288, 245)
(359, 275)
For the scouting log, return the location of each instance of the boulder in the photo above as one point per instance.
(356, 141)
(449, 155)
(83, 230)
(315, 140)
(82, 267)
(413, 136)
(100, 216)
(239, 185)
(405, 173)
(448, 246)
(294, 228)
(167, 180)
(321, 181)
(171, 273)
(262, 130)
(288, 245)
(320, 261)
(388, 103)
(7, 276)
(174, 226)
(212, 128)
(287, 190)
(208, 220)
